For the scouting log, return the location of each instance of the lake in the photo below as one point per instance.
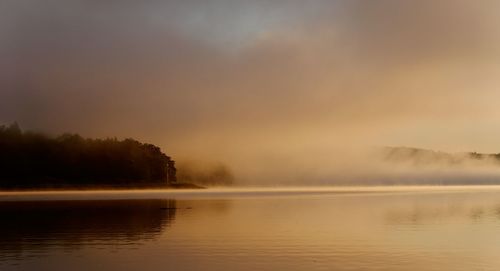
(352, 228)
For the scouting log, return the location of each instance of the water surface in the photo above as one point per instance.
(384, 228)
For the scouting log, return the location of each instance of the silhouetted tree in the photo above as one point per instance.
(30, 159)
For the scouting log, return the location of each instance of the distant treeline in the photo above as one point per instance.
(34, 160)
(423, 157)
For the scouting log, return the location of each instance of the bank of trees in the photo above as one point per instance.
(33, 160)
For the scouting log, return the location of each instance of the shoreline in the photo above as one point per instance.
(65, 188)
(233, 192)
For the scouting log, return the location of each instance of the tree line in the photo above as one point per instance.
(35, 160)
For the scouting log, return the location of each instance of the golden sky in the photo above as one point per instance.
(255, 82)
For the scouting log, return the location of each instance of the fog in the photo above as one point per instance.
(277, 91)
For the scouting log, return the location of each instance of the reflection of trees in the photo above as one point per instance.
(31, 226)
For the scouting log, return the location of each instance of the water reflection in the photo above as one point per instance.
(438, 210)
(357, 231)
(33, 227)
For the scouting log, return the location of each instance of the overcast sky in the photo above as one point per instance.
(251, 83)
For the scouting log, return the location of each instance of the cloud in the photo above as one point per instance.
(271, 88)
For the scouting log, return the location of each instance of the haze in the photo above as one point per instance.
(277, 90)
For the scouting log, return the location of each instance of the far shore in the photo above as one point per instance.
(100, 187)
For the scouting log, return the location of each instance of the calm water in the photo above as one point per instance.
(314, 229)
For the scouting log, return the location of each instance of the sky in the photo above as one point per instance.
(273, 88)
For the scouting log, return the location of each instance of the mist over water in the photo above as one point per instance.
(329, 135)
(275, 91)
(377, 166)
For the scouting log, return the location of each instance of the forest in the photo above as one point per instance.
(35, 160)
